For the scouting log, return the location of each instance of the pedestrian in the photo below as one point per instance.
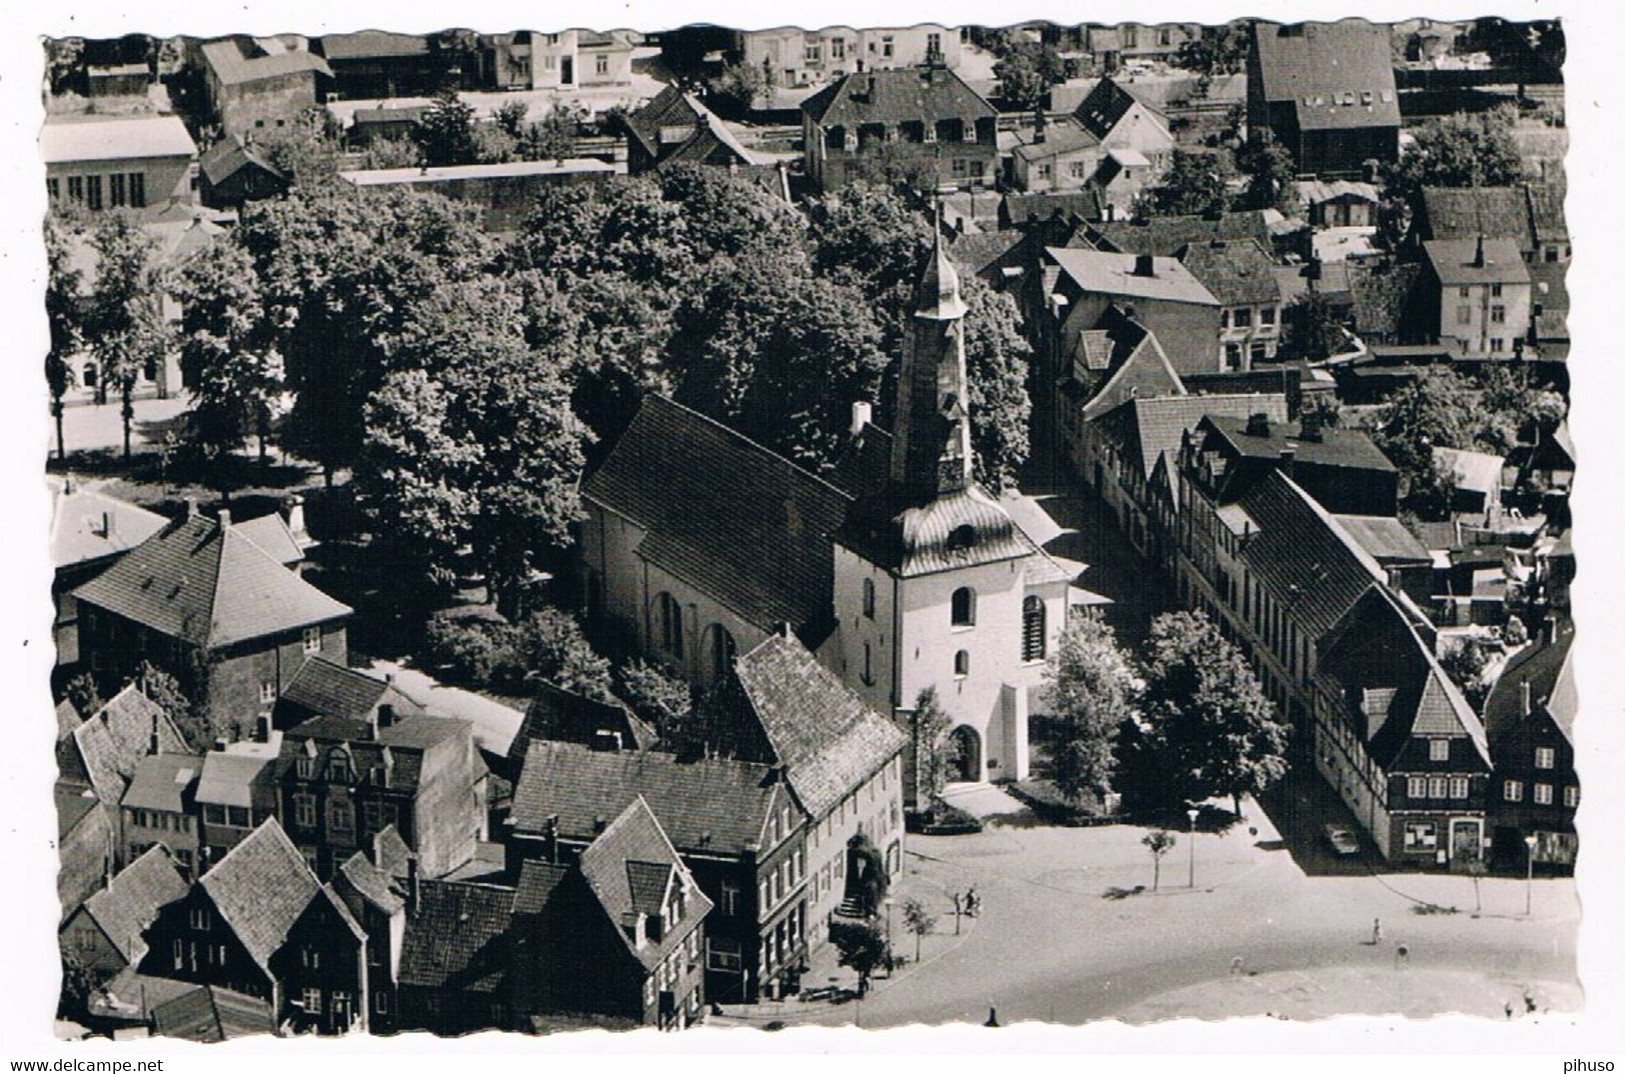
(1509, 1010)
(971, 903)
(1236, 965)
(1528, 1002)
(1376, 932)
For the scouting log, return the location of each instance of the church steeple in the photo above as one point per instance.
(931, 452)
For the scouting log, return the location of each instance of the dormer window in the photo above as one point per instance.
(338, 766)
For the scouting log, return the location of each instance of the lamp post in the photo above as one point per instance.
(1529, 875)
(1191, 813)
(889, 901)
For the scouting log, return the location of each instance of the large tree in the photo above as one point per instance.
(1195, 182)
(1026, 71)
(933, 746)
(1090, 689)
(227, 352)
(1216, 50)
(1314, 331)
(124, 324)
(1468, 149)
(1270, 172)
(1207, 717)
(445, 135)
(63, 316)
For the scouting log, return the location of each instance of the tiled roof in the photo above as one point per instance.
(1375, 645)
(209, 587)
(236, 61)
(79, 140)
(271, 533)
(1164, 235)
(670, 107)
(1456, 261)
(1498, 212)
(87, 524)
(232, 776)
(1351, 448)
(105, 750)
(912, 539)
(1309, 563)
(1018, 207)
(210, 1014)
(863, 468)
(830, 740)
(1549, 671)
(1314, 191)
(558, 715)
(1339, 76)
(373, 44)
(1237, 273)
(457, 937)
(704, 804)
(975, 252)
(537, 882)
(1115, 274)
(1475, 471)
(1105, 107)
(1138, 367)
(325, 688)
(67, 718)
(372, 883)
(130, 903)
(1059, 138)
(629, 868)
(1146, 429)
(163, 781)
(1386, 539)
(262, 887)
(772, 562)
(896, 96)
(404, 741)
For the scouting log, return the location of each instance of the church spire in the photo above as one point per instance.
(931, 452)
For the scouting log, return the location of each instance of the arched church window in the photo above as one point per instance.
(868, 598)
(1032, 629)
(964, 607)
(722, 651)
(961, 663)
(671, 625)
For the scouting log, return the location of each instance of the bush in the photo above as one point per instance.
(940, 818)
(548, 645)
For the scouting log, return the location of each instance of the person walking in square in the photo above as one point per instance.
(1376, 932)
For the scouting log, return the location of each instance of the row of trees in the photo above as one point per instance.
(463, 381)
(1185, 722)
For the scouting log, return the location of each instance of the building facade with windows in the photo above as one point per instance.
(1326, 92)
(138, 163)
(1481, 290)
(159, 809)
(1241, 275)
(796, 57)
(262, 85)
(872, 120)
(1529, 716)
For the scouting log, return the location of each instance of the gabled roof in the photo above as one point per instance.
(87, 524)
(208, 586)
(1548, 669)
(211, 1013)
(1019, 206)
(830, 741)
(1375, 645)
(558, 715)
(163, 781)
(236, 60)
(1296, 549)
(232, 776)
(372, 884)
(1475, 471)
(1236, 272)
(1164, 235)
(1502, 212)
(457, 937)
(77, 140)
(630, 868)
(272, 534)
(704, 804)
(322, 687)
(1060, 138)
(672, 107)
(1350, 448)
(106, 749)
(1115, 274)
(675, 473)
(1338, 76)
(1137, 366)
(1147, 429)
(131, 900)
(262, 887)
(924, 94)
(1314, 191)
(1458, 261)
(1107, 104)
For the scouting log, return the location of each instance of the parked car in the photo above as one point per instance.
(1342, 840)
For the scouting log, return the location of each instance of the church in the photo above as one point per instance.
(899, 571)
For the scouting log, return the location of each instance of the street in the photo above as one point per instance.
(1063, 936)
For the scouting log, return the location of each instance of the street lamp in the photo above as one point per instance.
(1191, 813)
(1529, 875)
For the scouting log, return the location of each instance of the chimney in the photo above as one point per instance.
(413, 889)
(1145, 265)
(262, 729)
(1258, 424)
(152, 742)
(220, 744)
(1524, 697)
(224, 515)
(1478, 255)
(1289, 456)
(598, 824)
(863, 412)
(293, 513)
(109, 524)
(1309, 424)
(1039, 132)
(191, 507)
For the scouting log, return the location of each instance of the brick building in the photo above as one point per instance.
(260, 85)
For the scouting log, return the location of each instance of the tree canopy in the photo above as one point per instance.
(1090, 689)
(124, 324)
(1195, 182)
(1026, 70)
(1468, 149)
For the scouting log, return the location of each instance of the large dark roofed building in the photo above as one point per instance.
(1341, 468)
(1326, 91)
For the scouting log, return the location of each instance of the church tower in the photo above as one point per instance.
(935, 585)
(931, 453)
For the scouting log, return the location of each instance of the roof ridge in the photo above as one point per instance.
(1366, 559)
(742, 438)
